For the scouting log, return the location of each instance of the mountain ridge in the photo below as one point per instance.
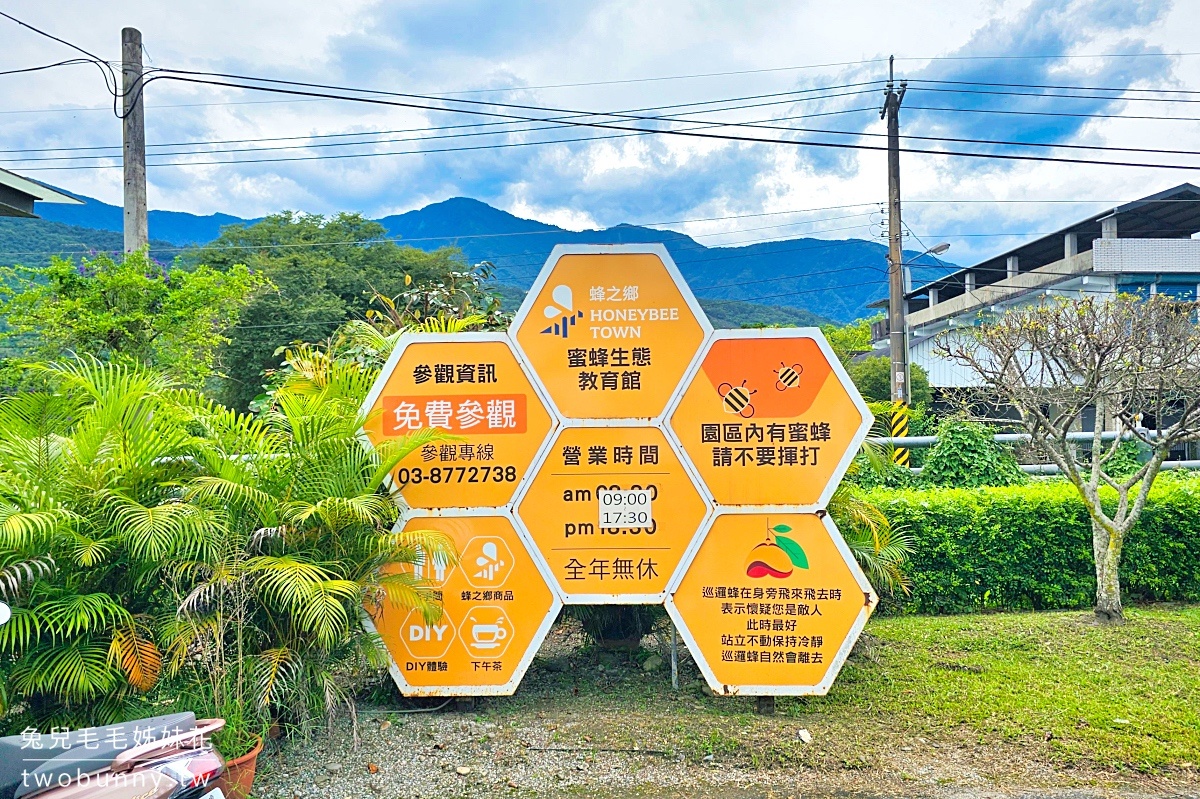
(830, 278)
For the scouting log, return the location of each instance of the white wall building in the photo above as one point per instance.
(1145, 246)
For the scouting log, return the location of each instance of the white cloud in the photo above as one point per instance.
(428, 45)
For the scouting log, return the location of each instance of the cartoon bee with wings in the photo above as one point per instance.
(736, 399)
(788, 376)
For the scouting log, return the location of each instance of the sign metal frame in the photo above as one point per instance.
(856, 441)
(661, 422)
(835, 663)
(508, 688)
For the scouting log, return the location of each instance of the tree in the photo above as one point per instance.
(325, 271)
(1133, 362)
(133, 309)
(873, 377)
(849, 339)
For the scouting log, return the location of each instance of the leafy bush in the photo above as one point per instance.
(965, 456)
(617, 626)
(873, 377)
(127, 310)
(148, 534)
(1029, 547)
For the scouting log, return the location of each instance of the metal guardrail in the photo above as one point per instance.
(1050, 468)
(999, 438)
(1017, 438)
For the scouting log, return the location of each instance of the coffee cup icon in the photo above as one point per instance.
(487, 636)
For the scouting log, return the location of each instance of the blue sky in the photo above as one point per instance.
(521, 51)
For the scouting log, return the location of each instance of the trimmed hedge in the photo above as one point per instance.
(1029, 547)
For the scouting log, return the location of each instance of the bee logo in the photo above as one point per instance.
(788, 376)
(562, 310)
(736, 399)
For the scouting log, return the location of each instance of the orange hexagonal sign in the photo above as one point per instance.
(610, 330)
(497, 608)
(771, 604)
(595, 552)
(770, 418)
(471, 387)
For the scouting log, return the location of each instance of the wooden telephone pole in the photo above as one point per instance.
(897, 327)
(133, 135)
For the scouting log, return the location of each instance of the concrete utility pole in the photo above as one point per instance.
(133, 135)
(897, 328)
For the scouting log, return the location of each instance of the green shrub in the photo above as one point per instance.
(873, 377)
(965, 456)
(1028, 547)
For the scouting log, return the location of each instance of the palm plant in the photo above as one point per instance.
(90, 508)
(880, 548)
(273, 611)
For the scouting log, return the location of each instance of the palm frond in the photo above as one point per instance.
(19, 527)
(137, 657)
(277, 672)
(22, 631)
(77, 671)
(446, 323)
(82, 614)
(402, 590)
(20, 574)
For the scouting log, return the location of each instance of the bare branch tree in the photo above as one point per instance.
(1134, 361)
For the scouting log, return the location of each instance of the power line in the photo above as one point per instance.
(510, 130)
(1051, 86)
(666, 117)
(613, 126)
(106, 70)
(67, 63)
(1080, 115)
(1010, 93)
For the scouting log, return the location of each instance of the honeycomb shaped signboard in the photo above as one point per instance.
(610, 330)
(471, 386)
(594, 552)
(497, 609)
(770, 418)
(771, 604)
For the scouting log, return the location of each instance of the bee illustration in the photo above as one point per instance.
(736, 399)
(788, 376)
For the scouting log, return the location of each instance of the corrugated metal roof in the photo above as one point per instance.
(1174, 213)
(18, 194)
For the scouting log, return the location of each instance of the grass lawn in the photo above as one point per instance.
(996, 695)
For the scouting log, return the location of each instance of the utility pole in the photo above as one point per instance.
(897, 327)
(133, 136)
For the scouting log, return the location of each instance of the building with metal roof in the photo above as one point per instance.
(1144, 246)
(18, 194)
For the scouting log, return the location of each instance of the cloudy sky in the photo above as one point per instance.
(811, 65)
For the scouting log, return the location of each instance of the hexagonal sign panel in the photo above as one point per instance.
(471, 387)
(771, 604)
(497, 609)
(610, 330)
(770, 418)
(596, 553)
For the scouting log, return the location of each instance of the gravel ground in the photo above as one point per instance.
(550, 740)
(451, 756)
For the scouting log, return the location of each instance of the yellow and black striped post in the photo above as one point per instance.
(900, 455)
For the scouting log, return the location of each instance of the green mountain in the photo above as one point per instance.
(32, 242)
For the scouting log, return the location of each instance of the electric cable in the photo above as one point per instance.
(634, 130)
